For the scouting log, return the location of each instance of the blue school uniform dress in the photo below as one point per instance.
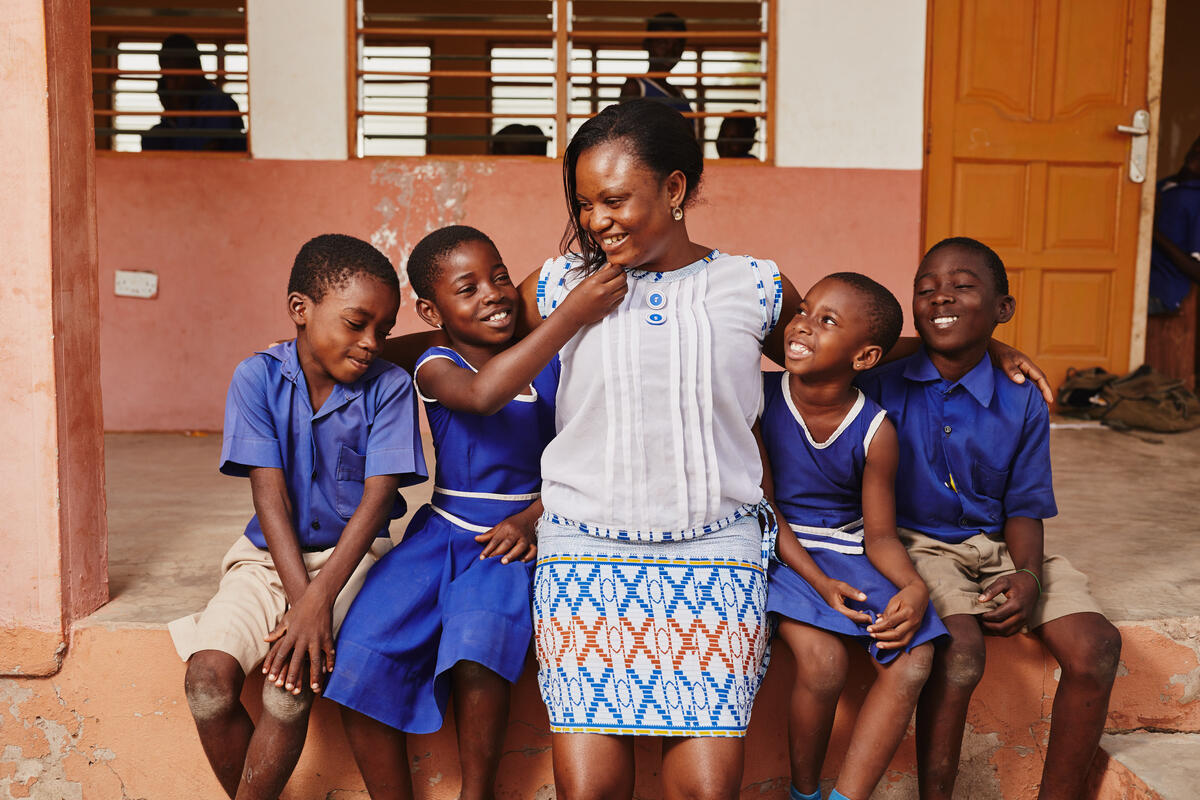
(431, 602)
(818, 488)
(1178, 218)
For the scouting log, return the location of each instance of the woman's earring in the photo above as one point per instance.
(677, 214)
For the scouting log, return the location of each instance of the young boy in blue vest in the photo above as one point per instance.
(327, 434)
(972, 490)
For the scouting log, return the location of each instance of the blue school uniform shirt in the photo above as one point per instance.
(972, 453)
(1177, 216)
(364, 428)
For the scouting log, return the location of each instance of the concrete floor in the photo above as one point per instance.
(1127, 518)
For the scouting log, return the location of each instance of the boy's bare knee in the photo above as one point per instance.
(1097, 660)
(211, 686)
(284, 706)
(963, 664)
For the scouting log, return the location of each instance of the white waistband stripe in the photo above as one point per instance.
(486, 495)
(810, 544)
(462, 523)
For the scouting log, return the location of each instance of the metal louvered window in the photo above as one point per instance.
(521, 76)
(191, 95)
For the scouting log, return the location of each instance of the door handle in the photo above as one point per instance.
(1139, 146)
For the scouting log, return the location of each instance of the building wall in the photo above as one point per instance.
(222, 232)
(1179, 119)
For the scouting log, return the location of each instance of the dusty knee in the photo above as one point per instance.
(211, 688)
(821, 666)
(909, 672)
(283, 705)
(1096, 662)
(962, 664)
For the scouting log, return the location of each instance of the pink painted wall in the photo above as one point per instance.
(222, 233)
(51, 476)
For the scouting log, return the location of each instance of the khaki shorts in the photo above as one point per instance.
(250, 602)
(957, 572)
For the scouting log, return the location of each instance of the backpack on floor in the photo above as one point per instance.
(1145, 399)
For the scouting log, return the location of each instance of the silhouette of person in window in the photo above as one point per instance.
(192, 92)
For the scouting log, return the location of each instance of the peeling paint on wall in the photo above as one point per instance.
(419, 197)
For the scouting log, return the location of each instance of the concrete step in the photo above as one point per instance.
(1151, 766)
(114, 723)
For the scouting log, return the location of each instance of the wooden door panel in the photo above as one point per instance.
(1082, 209)
(1079, 327)
(1092, 71)
(997, 61)
(1024, 100)
(990, 198)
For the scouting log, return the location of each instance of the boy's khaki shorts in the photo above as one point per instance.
(250, 602)
(957, 573)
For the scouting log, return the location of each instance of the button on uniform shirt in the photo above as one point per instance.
(972, 453)
(365, 428)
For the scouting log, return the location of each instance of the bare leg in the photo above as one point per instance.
(821, 664)
(883, 720)
(213, 686)
(381, 753)
(480, 717)
(592, 766)
(1088, 648)
(276, 744)
(702, 768)
(942, 709)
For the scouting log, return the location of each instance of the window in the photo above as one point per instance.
(189, 95)
(531, 71)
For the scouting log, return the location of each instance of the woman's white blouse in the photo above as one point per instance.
(656, 402)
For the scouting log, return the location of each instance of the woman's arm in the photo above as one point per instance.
(788, 303)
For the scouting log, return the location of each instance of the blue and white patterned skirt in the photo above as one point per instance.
(650, 638)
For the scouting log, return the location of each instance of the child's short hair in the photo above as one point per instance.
(425, 263)
(884, 316)
(329, 261)
(991, 261)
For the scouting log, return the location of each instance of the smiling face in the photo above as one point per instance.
(338, 337)
(626, 207)
(956, 304)
(473, 297)
(830, 336)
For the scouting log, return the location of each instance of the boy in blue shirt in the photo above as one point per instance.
(327, 433)
(972, 490)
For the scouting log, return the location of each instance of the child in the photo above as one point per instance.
(442, 613)
(327, 433)
(832, 456)
(972, 490)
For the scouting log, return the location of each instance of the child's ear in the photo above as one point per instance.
(1007, 307)
(867, 357)
(428, 312)
(299, 307)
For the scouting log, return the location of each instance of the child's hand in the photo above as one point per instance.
(895, 627)
(1021, 593)
(1018, 367)
(836, 593)
(597, 295)
(510, 539)
(304, 635)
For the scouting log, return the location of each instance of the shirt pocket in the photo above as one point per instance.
(350, 476)
(989, 482)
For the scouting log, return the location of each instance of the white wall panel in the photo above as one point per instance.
(851, 83)
(298, 67)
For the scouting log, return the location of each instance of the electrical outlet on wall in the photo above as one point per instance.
(136, 283)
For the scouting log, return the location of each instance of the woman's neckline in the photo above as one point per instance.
(654, 276)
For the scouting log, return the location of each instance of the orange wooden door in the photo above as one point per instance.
(1023, 154)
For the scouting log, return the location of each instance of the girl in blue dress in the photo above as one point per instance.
(447, 610)
(845, 578)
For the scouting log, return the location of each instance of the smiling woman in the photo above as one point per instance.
(650, 589)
